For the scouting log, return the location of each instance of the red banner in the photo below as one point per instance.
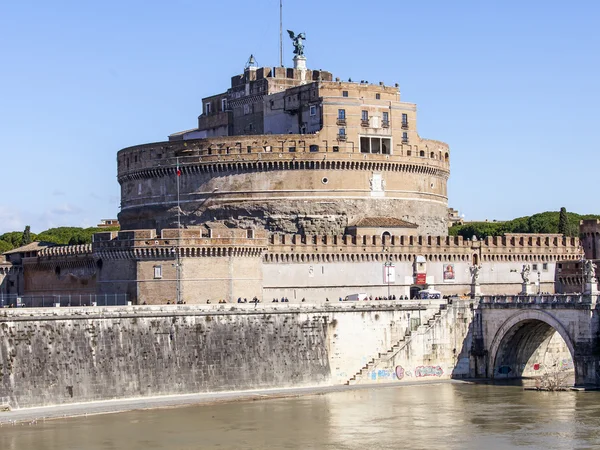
(421, 278)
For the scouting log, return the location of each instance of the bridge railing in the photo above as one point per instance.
(538, 299)
(43, 301)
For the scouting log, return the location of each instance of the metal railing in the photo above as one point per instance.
(54, 300)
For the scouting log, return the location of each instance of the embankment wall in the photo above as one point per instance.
(64, 355)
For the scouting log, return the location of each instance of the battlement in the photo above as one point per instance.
(589, 226)
(66, 250)
(274, 152)
(218, 241)
(536, 247)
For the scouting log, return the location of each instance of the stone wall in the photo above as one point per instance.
(63, 355)
(285, 183)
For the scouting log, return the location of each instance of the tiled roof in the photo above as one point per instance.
(33, 247)
(384, 222)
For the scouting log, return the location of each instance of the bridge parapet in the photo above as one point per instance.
(522, 301)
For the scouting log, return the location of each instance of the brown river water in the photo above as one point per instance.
(434, 416)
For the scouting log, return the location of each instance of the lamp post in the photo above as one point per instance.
(388, 268)
(178, 260)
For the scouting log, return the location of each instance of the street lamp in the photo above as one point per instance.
(388, 271)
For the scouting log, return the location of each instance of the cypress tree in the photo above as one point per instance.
(26, 239)
(563, 222)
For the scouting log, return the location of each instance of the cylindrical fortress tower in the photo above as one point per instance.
(295, 184)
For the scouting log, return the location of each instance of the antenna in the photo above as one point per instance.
(281, 33)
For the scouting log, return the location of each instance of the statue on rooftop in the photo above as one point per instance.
(297, 40)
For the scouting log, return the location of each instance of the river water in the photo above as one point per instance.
(433, 416)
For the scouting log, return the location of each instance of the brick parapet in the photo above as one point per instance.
(267, 152)
(537, 247)
(146, 244)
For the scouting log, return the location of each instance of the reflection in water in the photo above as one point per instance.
(452, 416)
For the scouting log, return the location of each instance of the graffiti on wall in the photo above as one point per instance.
(399, 372)
(381, 374)
(428, 371)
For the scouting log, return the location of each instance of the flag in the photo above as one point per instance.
(178, 172)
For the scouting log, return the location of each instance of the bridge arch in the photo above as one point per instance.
(519, 338)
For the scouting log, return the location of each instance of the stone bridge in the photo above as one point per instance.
(510, 332)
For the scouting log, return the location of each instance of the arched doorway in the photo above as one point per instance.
(533, 346)
(414, 290)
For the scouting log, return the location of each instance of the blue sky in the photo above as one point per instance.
(512, 86)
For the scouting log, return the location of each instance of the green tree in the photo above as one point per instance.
(5, 246)
(563, 221)
(26, 238)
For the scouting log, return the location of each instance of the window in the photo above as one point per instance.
(375, 144)
(534, 267)
(157, 272)
(207, 108)
(545, 267)
(342, 132)
(313, 110)
(249, 149)
(246, 109)
(405, 139)
(291, 149)
(364, 115)
(377, 96)
(404, 118)
(344, 93)
(336, 149)
(341, 114)
(223, 104)
(386, 117)
(314, 148)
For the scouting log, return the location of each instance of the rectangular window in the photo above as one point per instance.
(344, 93)
(342, 132)
(534, 267)
(313, 110)
(314, 148)
(365, 145)
(545, 267)
(207, 108)
(157, 272)
(336, 149)
(224, 104)
(341, 114)
(364, 115)
(246, 109)
(386, 117)
(378, 96)
(404, 137)
(249, 149)
(291, 149)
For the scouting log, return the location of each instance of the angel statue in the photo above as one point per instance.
(474, 273)
(590, 271)
(298, 45)
(525, 273)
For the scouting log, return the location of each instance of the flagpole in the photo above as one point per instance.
(280, 33)
(178, 262)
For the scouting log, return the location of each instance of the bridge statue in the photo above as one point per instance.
(297, 40)
(525, 271)
(590, 271)
(474, 273)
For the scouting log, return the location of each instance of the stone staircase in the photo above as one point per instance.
(386, 356)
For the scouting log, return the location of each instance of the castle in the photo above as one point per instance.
(294, 184)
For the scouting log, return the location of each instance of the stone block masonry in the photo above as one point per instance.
(67, 355)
